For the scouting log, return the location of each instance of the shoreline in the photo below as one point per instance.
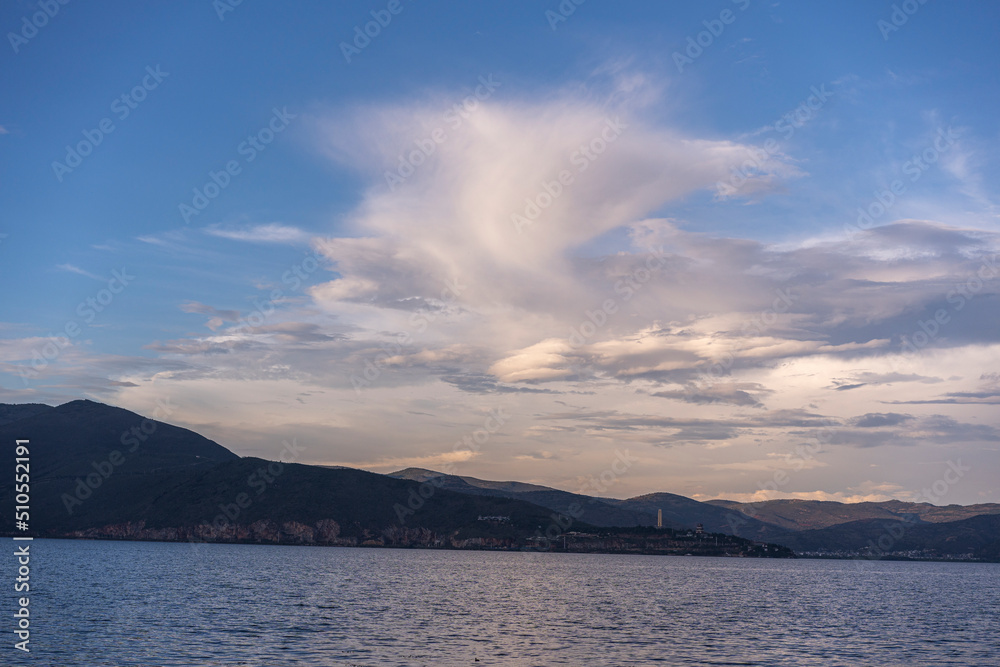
(794, 556)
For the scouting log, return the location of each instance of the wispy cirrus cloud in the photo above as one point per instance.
(72, 268)
(266, 233)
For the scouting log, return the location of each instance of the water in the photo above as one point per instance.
(134, 603)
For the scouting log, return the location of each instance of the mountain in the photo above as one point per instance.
(686, 512)
(88, 460)
(678, 512)
(596, 511)
(12, 412)
(772, 521)
(977, 537)
(103, 472)
(813, 514)
(363, 504)
(423, 475)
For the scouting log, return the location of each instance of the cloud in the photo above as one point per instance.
(285, 336)
(212, 346)
(867, 492)
(296, 332)
(197, 307)
(877, 419)
(398, 463)
(480, 242)
(866, 378)
(538, 456)
(956, 398)
(883, 429)
(988, 394)
(669, 431)
(269, 233)
(219, 317)
(479, 383)
(458, 215)
(772, 463)
(75, 269)
(733, 393)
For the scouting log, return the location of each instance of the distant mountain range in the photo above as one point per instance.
(678, 512)
(812, 514)
(104, 472)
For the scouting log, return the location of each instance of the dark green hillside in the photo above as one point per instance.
(977, 537)
(358, 501)
(683, 511)
(10, 413)
(793, 514)
(103, 472)
(92, 463)
(596, 511)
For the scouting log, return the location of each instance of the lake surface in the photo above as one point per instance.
(140, 603)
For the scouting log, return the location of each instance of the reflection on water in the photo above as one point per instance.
(131, 603)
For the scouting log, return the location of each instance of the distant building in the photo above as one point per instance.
(699, 529)
(659, 518)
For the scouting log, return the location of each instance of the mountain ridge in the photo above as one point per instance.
(103, 471)
(795, 514)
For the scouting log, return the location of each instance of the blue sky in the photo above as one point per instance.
(886, 95)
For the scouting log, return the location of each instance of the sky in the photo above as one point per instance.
(729, 249)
